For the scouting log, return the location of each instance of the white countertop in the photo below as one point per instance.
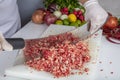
(108, 60)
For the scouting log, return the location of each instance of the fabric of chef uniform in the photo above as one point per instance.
(9, 17)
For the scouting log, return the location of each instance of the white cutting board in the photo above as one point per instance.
(22, 71)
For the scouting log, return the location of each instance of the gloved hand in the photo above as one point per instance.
(95, 14)
(4, 45)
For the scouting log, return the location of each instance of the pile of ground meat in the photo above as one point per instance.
(59, 55)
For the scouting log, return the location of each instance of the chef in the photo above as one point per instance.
(10, 20)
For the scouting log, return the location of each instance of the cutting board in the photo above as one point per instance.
(22, 71)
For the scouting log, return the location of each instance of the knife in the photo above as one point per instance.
(82, 32)
(19, 43)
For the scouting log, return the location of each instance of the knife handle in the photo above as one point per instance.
(17, 43)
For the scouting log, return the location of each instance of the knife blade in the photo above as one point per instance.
(82, 32)
(19, 43)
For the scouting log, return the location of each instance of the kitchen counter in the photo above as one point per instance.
(108, 60)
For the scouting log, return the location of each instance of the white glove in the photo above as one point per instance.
(95, 14)
(4, 45)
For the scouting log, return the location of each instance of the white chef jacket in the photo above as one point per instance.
(9, 17)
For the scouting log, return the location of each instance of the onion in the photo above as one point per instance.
(64, 16)
(57, 13)
(111, 29)
(112, 40)
(112, 22)
(52, 7)
(50, 19)
(37, 16)
(112, 35)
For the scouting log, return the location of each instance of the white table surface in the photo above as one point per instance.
(108, 59)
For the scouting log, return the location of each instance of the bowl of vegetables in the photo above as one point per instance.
(60, 12)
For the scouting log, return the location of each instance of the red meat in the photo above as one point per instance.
(59, 55)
